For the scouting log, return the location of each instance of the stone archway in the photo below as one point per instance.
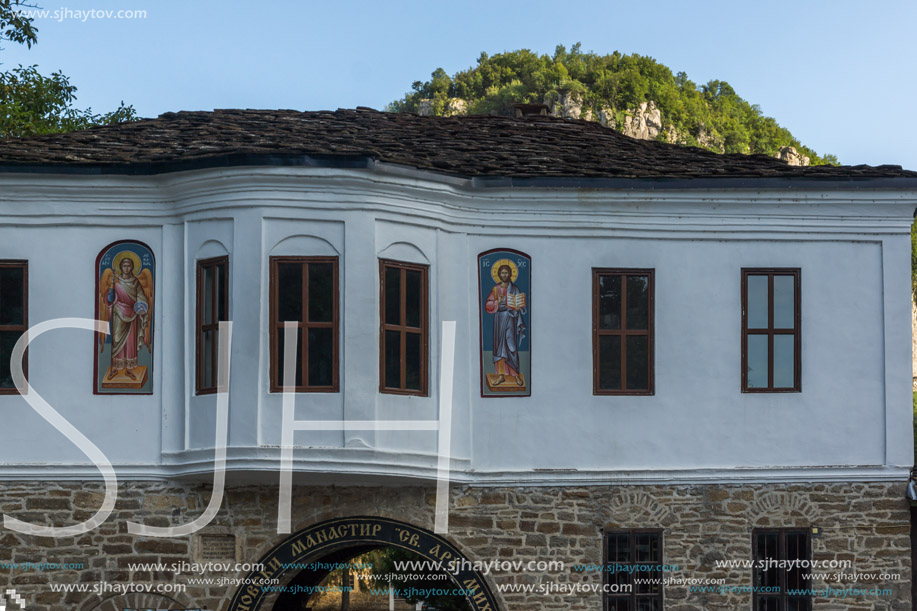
(332, 538)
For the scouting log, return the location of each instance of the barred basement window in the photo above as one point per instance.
(304, 290)
(14, 318)
(770, 330)
(622, 332)
(403, 349)
(212, 308)
(623, 549)
(772, 549)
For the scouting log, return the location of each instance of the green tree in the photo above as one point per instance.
(31, 103)
(385, 575)
(16, 26)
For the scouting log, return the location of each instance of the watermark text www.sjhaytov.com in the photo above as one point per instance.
(64, 13)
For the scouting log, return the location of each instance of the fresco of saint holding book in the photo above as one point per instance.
(505, 291)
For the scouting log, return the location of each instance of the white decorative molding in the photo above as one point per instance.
(365, 466)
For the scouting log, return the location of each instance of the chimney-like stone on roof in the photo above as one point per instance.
(531, 110)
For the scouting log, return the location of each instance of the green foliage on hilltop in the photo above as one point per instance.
(713, 115)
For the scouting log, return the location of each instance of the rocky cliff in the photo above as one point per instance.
(644, 122)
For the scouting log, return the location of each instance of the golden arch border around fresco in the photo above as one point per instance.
(329, 536)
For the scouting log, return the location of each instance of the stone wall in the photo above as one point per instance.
(865, 523)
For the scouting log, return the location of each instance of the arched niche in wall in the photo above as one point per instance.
(304, 246)
(211, 249)
(403, 251)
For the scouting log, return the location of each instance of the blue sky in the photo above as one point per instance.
(839, 74)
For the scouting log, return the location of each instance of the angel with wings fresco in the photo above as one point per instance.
(127, 299)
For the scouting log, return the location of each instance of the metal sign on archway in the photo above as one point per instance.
(332, 535)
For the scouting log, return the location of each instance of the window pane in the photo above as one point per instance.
(207, 273)
(321, 292)
(610, 362)
(638, 302)
(798, 604)
(412, 361)
(609, 302)
(289, 291)
(392, 280)
(620, 577)
(392, 359)
(796, 549)
(648, 604)
(784, 302)
(794, 579)
(766, 549)
(637, 362)
(784, 361)
(413, 297)
(280, 372)
(757, 302)
(642, 582)
(11, 285)
(321, 357)
(222, 283)
(757, 361)
(647, 547)
(766, 546)
(618, 548)
(207, 380)
(768, 604)
(8, 339)
(619, 604)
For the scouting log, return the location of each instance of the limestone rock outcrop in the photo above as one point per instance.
(790, 155)
(567, 105)
(644, 122)
(707, 139)
(425, 108)
(456, 106)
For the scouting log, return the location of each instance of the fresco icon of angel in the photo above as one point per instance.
(124, 298)
(505, 285)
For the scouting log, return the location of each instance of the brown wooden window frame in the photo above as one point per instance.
(633, 595)
(623, 332)
(214, 325)
(21, 328)
(403, 329)
(771, 331)
(782, 597)
(334, 324)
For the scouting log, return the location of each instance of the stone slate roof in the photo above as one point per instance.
(470, 146)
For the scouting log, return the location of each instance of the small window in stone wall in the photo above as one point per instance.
(14, 318)
(624, 549)
(778, 578)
